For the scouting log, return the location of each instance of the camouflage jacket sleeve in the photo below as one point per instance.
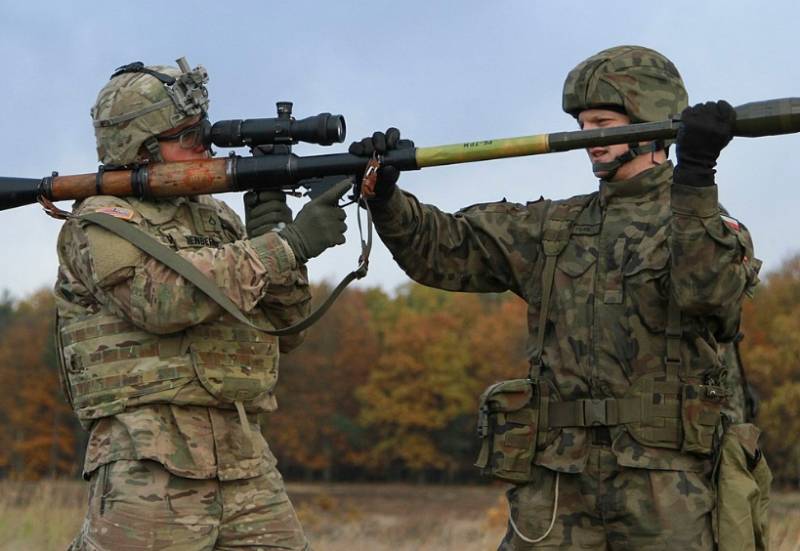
(713, 266)
(132, 284)
(287, 301)
(490, 247)
(286, 304)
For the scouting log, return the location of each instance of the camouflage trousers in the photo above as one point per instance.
(138, 505)
(612, 507)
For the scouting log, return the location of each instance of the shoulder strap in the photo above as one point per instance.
(171, 259)
(555, 238)
(674, 333)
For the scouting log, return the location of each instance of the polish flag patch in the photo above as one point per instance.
(732, 223)
(117, 212)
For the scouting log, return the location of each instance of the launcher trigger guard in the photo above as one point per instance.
(317, 186)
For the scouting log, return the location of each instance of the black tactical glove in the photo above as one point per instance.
(705, 129)
(382, 143)
(265, 210)
(318, 225)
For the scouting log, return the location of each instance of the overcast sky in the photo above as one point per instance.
(442, 72)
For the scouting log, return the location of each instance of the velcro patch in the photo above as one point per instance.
(117, 212)
(732, 223)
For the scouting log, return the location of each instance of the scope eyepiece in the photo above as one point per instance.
(322, 129)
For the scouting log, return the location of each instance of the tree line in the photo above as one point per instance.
(385, 387)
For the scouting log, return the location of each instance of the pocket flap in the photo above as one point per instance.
(652, 260)
(509, 396)
(747, 434)
(652, 253)
(575, 260)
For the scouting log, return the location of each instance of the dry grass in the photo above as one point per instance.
(400, 517)
(38, 516)
(338, 517)
(785, 521)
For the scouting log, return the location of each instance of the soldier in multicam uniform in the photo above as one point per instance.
(170, 388)
(631, 290)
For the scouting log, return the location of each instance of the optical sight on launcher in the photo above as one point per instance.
(322, 129)
(274, 137)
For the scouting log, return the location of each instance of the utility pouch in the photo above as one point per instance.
(701, 415)
(508, 421)
(742, 478)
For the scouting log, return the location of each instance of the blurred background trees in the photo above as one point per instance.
(385, 387)
(771, 356)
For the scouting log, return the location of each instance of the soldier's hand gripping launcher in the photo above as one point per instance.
(274, 166)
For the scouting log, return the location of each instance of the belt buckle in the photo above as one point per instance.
(600, 436)
(594, 413)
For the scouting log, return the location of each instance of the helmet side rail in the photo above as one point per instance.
(292, 172)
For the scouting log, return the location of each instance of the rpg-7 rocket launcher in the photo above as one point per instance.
(267, 138)
(274, 166)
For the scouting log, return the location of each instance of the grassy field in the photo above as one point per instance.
(338, 517)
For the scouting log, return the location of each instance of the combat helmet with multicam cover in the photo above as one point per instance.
(140, 102)
(634, 80)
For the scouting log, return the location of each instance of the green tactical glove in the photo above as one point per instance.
(382, 143)
(318, 225)
(265, 210)
(705, 130)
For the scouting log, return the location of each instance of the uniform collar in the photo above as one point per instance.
(182, 199)
(179, 200)
(161, 210)
(638, 187)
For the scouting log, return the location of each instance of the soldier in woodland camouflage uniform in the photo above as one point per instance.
(633, 288)
(169, 387)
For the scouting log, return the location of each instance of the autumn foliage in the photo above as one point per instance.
(385, 387)
(771, 355)
(38, 431)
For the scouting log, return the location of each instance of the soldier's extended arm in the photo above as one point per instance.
(474, 250)
(712, 254)
(155, 297)
(478, 249)
(437, 249)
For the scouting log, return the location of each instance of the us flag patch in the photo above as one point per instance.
(732, 223)
(117, 212)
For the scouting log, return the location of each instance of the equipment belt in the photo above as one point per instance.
(610, 411)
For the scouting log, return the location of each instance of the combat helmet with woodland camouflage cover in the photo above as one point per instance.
(640, 81)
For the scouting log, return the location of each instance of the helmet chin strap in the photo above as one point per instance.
(153, 149)
(634, 150)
